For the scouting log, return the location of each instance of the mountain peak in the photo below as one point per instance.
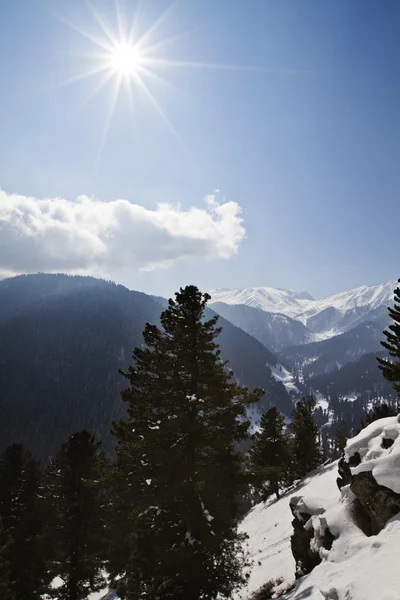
(326, 317)
(306, 296)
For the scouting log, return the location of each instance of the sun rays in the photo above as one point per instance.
(123, 59)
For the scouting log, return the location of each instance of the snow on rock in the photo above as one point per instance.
(280, 373)
(355, 566)
(378, 446)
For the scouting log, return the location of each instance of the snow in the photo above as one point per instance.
(253, 414)
(351, 397)
(302, 306)
(356, 567)
(382, 461)
(320, 401)
(273, 300)
(280, 373)
(269, 528)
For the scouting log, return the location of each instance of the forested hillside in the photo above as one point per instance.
(63, 340)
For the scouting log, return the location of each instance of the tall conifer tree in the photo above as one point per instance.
(270, 454)
(179, 471)
(75, 497)
(6, 593)
(342, 434)
(391, 368)
(21, 514)
(306, 451)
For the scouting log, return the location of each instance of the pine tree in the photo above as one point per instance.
(379, 411)
(341, 437)
(179, 473)
(270, 454)
(306, 452)
(21, 513)
(391, 368)
(75, 496)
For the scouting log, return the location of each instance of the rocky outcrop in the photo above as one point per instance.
(305, 553)
(376, 503)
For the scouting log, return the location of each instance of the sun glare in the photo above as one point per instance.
(126, 59)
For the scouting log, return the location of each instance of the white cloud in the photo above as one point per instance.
(88, 235)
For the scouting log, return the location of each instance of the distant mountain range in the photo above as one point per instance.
(323, 333)
(322, 318)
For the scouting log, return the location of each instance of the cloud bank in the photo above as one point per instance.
(90, 236)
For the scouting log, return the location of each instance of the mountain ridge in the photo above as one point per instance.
(325, 318)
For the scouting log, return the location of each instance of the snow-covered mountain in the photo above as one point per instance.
(273, 300)
(274, 330)
(322, 319)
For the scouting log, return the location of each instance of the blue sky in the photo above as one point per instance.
(306, 143)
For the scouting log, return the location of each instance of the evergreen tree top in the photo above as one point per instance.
(391, 368)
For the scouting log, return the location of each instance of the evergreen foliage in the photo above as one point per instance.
(270, 454)
(178, 472)
(72, 334)
(379, 411)
(6, 593)
(75, 494)
(391, 368)
(22, 550)
(341, 438)
(306, 451)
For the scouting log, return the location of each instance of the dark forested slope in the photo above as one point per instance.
(62, 341)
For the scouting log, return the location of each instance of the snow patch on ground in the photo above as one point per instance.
(321, 402)
(280, 373)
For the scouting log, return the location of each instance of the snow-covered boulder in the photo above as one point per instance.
(371, 465)
(307, 540)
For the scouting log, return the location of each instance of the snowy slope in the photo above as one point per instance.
(295, 304)
(269, 529)
(273, 300)
(357, 567)
(280, 373)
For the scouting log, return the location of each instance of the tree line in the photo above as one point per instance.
(159, 518)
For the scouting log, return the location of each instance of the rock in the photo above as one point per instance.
(345, 471)
(378, 502)
(306, 558)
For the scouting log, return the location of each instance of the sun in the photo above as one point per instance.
(126, 59)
